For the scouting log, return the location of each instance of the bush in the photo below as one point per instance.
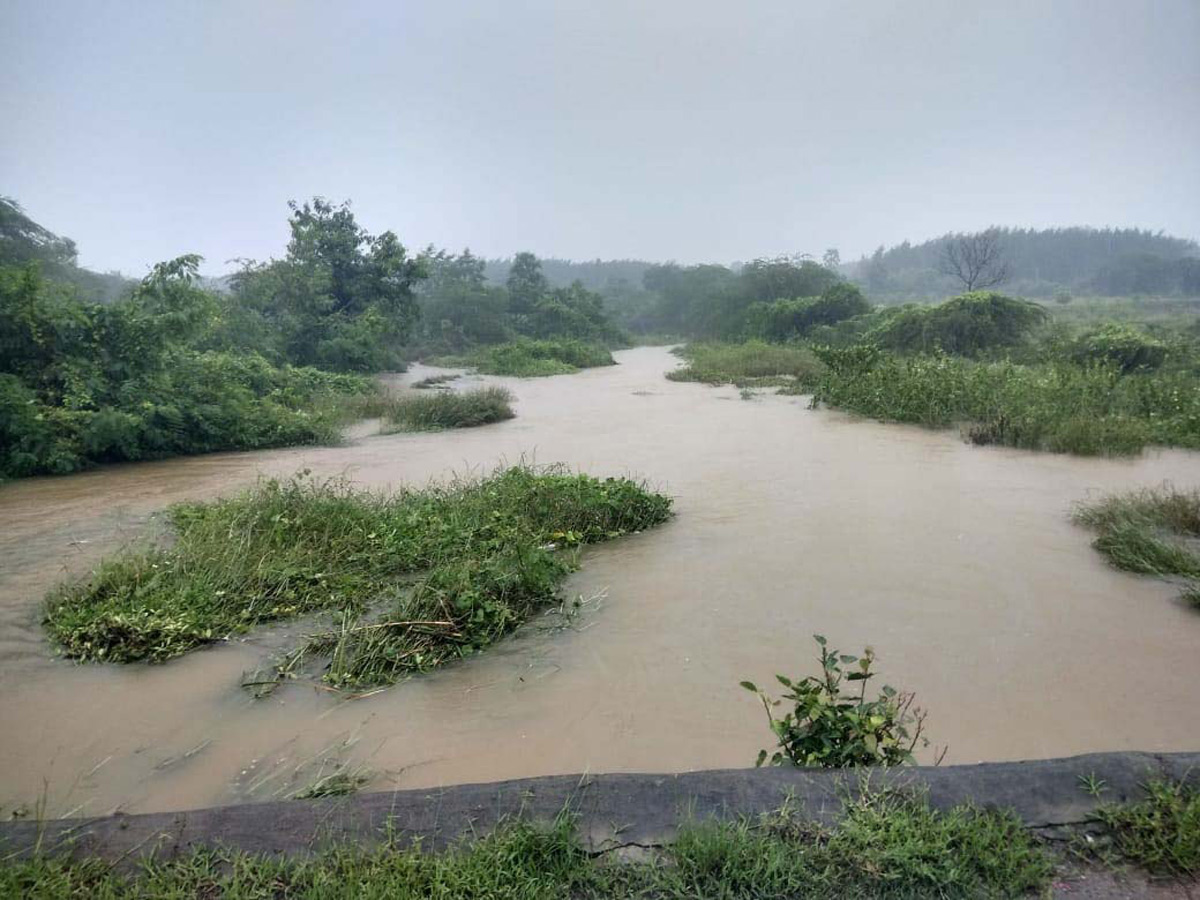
(149, 391)
(1122, 346)
(447, 409)
(832, 729)
(968, 325)
(784, 320)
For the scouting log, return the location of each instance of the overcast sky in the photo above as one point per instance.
(663, 130)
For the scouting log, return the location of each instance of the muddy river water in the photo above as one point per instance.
(958, 564)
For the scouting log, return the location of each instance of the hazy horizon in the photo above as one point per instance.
(685, 131)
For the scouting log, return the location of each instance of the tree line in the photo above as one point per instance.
(1042, 263)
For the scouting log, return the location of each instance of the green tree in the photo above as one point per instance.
(341, 298)
(526, 284)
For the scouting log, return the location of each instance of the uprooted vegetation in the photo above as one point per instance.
(1150, 532)
(412, 579)
(888, 844)
(435, 411)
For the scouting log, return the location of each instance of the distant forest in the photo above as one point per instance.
(1115, 262)
(1103, 261)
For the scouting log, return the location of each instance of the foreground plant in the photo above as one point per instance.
(490, 551)
(1151, 532)
(1160, 833)
(886, 845)
(831, 728)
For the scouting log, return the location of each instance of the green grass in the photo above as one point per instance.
(1061, 408)
(753, 363)
(886, 846)
(1151, 532)
(412, 579)
(534, 359)
(447, 409)
(1162, 832)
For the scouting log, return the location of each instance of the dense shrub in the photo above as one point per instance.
(82, 384)
(783, 320)
(968, 325)
(1120, 345)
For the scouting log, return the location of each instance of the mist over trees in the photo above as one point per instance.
(1040, 263)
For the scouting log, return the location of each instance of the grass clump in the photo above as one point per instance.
(1151, 532)
(533, 359)
(447, 409)
(1162, 832)
(484, 554)
(750, 364)
(887, 845)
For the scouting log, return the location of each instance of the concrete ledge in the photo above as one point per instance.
(613, 810)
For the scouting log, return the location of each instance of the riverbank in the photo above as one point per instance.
(619, 815)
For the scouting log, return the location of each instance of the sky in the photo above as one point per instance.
(673, 129)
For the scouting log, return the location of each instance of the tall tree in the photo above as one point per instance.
(977, 260)
(341, 298)
(526, 284)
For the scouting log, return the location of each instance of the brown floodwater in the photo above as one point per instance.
(958, 564)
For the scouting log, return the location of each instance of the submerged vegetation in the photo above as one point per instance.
(532, 359)
(1058, 407)
(887, 844)
(750, 364)
(447, 409)
(1150, 532)
(412, 579)
(831, 727)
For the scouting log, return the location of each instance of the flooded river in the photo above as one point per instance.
(959, 564)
